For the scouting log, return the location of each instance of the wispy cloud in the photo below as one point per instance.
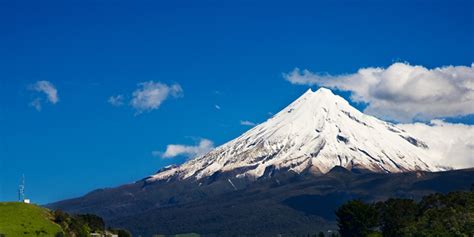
(247, 123)
(36, 103)
(148, 96)
(117, 100)
(48, 89)
(451, 144)
(402, 92)
(190, 151)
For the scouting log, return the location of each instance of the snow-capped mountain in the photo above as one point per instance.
(315, 133)
(280, 174)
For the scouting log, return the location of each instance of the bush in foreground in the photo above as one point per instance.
(441, 215)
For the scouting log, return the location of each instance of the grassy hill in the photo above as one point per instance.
(20, 219)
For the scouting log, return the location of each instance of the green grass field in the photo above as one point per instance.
(20, 219)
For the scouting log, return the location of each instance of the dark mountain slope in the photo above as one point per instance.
(288, 203)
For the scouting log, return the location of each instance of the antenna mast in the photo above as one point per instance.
(21, 189)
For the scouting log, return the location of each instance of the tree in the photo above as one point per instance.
(123, 233)
(396, 215)
(356, 219)
(94, 222)
(82, 225)
(60, 216)
(446, 215)
(437, 214)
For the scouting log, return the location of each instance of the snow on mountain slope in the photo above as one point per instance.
(315, 133)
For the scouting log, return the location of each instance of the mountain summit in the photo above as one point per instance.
(315, 133)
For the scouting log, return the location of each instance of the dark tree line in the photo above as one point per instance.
(83, 224)
(440, 215)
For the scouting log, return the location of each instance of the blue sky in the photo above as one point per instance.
(230, 54)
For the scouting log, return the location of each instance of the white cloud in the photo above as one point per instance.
(48, 89)
(451, 144)
(174, 150)
(247, 123)
(116, 101)
(402, 92)
(36, 103)
(150, 95)
(217, 107)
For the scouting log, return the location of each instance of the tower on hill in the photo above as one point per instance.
(21, 191)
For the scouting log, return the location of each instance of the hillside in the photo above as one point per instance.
(287, 203)
(20, 219)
